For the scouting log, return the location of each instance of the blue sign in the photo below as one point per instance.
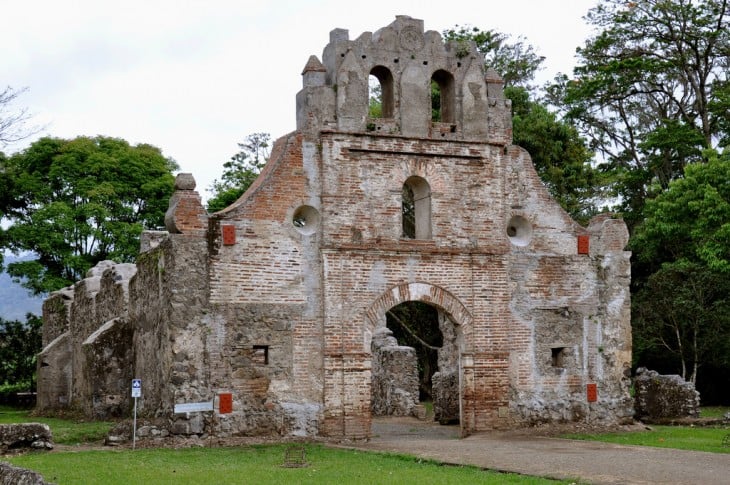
(136, 387)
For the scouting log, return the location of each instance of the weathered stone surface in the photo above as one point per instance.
(394, 376)
(446, 397)
(14, 475)
(660, 397)
(25, 435)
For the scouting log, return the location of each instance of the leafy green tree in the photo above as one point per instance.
(19, 344)
(650, 91)
(517, 62)
(77, 202)
(240, 171)
(683, 310)
(681, 297)
(558, 152)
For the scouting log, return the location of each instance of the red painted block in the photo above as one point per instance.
(225, 403)
(583, 244)
(592, 392)
(229, 235)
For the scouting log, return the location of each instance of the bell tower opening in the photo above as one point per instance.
(443, 97)
(381, 93)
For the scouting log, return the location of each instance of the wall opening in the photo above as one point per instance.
(306, 219)
(381, 93)
(443, 97)
(260, 355)
(416, 209)
(558, 357)
(415, 364)
(416, 324)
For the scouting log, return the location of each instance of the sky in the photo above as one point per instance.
(194, 78)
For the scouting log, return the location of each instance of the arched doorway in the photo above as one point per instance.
(417, 341)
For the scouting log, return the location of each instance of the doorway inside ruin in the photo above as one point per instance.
(415, 366)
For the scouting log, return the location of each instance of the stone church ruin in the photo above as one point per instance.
(275, 308)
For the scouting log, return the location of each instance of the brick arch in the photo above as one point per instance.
(420, 291)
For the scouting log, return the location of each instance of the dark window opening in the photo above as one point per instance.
(261, 354)
(558, 357)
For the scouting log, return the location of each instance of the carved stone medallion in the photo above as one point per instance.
(411, 39)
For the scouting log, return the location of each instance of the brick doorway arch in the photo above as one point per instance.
(395, 368)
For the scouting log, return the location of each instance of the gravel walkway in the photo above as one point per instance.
(587, 461)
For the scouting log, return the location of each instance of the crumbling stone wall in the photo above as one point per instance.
(36, 436)
(87, 366)
(20, 476)
(658, 396)
(394, 376)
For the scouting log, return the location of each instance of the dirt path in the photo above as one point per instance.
(586, 461)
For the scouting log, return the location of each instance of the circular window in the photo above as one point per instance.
(306, 219)
(519, 231)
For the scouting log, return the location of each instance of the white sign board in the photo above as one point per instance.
(192, 407)
(136, 387)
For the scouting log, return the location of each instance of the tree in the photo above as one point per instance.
(19, 344)
(683, 305)
(558, 152)
(650, 91)
(684, 309)
(516, 62)
(240, 171)
(13, 122)
(77, 202)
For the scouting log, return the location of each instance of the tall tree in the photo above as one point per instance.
(650, 91)
(558, 152)
(517, 62)
(19, 344)
(684, 246)
(240, 171)
(77, 202)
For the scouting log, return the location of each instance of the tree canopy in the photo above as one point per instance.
(19, 344)
(517, 62)
(76, 202)
(240, 171)
(559, 154)
(650, 91)
(683, 305)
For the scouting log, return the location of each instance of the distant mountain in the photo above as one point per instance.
(16, 301)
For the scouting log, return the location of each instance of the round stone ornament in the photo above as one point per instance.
(411, 39)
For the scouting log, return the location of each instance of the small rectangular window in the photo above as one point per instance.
(261, 354)
(558, 356)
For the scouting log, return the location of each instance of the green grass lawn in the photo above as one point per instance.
(253, 464)
(65, 431)
(680, 437)
(713, 411)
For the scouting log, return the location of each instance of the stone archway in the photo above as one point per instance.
(393, 364)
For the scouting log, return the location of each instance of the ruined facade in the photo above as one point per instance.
(275, 299)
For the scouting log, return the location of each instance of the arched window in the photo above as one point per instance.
(381, 93)
(416, 209)
(442, 97)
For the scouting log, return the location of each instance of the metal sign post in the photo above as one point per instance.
(136, 392)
